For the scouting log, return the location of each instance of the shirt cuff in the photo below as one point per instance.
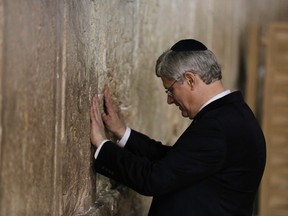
(99, 147)
(122, 142)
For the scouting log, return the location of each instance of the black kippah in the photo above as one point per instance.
(188, 45)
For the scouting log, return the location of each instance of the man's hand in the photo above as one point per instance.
(111, 118)
(97, 132)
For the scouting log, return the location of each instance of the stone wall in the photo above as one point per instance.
(55, 54)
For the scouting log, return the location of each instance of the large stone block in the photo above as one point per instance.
(55, 55)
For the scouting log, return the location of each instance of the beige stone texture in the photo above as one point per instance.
(55, 54)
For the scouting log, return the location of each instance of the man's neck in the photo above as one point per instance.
(213, 91)
(216, 97)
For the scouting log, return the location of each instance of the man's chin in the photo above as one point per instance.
(184, 114)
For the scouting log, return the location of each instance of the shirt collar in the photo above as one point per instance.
(216, 97)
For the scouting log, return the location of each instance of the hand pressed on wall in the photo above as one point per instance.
(111, 118)
(97, 131)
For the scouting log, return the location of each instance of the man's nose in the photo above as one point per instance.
(170, 99)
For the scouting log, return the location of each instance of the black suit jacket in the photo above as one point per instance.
(214, 168)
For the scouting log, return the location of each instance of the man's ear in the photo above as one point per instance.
(190, 78)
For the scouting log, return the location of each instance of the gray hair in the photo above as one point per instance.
(173, 64)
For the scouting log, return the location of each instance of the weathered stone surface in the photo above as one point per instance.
(55, 54)
(28, 107)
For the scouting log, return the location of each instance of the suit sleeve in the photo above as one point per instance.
(197, 154)
(142, 146)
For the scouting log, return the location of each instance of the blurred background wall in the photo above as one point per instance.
(55, 54)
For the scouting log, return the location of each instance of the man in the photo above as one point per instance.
(215, 166)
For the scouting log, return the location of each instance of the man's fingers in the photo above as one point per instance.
(107, 98)
(95, 112)
(92, 116)
(93, 108)
(97, 133)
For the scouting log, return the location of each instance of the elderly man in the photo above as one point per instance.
(216, 165)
